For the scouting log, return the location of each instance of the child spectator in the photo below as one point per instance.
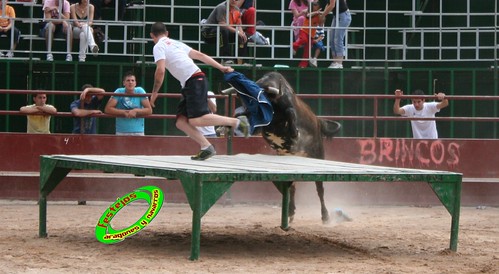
(314, 19)
(318, 45)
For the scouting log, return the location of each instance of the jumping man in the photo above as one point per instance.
(193, 111)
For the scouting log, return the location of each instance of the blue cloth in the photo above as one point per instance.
(253, 97)
(89, 123)
(129, 125)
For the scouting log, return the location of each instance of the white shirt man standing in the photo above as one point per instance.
(421, 129)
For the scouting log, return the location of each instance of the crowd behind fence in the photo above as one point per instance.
(380, 123)
(393, 32)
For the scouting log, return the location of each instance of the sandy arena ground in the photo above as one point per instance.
(247, 239)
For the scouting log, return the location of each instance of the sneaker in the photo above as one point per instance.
(9, 54)
(243, 127)
(335, 65)
(228, 63)
(267, 41)
(50, 57)
(204, 154)
(69, 58)
(313, 62)
(1, 54)
(81, 59)
(95, 49)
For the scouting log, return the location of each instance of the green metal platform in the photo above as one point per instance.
(204, 182)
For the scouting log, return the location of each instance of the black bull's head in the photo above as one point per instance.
(294, 129)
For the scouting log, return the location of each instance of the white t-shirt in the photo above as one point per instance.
(177, 60)
(423, 129)
(209, 130)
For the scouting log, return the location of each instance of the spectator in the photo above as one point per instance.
(130, 111)
(39, 114)
(299, 8)
(314, 19)
(178, 59)
(248, 18)
(82, 14)
(317, 45)
(209, 131)
(7, 28)
(56, 19)
(421, 129)
(228, 31)
(87, 105)
(338, 32)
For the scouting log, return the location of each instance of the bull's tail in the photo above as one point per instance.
(329, 128)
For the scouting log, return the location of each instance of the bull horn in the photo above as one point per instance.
(273, 90)
(227, 91)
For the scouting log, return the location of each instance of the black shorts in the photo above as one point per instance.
(194, 101)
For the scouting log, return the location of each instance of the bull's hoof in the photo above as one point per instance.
(326, 220)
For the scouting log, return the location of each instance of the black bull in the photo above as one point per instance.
(295, 130)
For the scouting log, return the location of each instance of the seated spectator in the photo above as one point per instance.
(83, 15)
(39, 114)
(7, 28)
(228, 33)
(88, 104)
(299, 8)
(209, 131)
(59, 26)
(248, 17)
(129, 110)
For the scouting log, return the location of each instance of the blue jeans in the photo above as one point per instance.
(337, 35)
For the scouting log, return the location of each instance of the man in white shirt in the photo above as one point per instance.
(193, 111)
(421, 129)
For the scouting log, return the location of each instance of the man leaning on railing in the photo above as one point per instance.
(39, 114)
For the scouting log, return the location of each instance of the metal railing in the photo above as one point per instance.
(382, 122)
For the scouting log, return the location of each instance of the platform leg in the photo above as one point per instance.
(196, 220)
(42, 226)
(454, 230)
(285, 206)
